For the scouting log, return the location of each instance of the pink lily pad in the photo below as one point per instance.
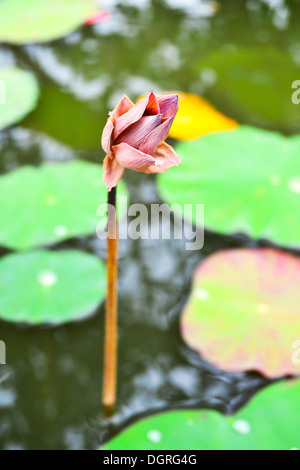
(244, 311)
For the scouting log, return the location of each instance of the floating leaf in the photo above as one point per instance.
(248, 180)
(19, 93)
(52, 202)
(50, 286)
(269, 422)
(27, 21)
(244, 311)
(196, 117)
(255, 84)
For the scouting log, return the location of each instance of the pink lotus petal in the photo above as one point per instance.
(155, 137)
(165, 157)
(132, 116)
(132, 158)
(122, 107)
(106, 136)
(168, 105)
(112, 172)
(137, 132)
(152, 105)
(98, 17)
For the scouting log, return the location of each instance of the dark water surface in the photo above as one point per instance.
(50, 389)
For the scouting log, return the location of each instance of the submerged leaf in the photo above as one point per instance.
(255, 84)
(56, 108)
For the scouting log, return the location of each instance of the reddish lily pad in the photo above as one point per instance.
(244, 311)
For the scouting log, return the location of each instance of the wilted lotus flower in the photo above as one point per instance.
(134, 137)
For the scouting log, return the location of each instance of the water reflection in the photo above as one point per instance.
(65, 75)
(20, 146)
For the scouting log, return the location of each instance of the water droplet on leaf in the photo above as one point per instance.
(154, 435)
(47, 278)
(241, 426)
(294, 185)
(60, 230)
(202, 294)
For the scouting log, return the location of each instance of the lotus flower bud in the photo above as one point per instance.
(134, 137)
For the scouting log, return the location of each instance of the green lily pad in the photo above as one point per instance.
(255, 84)
(19, 93)
(244, 311)
(247, 179)
(50, 203)
(52, 287)
(28, 21)
(269, 422)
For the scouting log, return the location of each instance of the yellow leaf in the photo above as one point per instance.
(196, 117)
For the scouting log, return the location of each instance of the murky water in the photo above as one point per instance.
(50, 389)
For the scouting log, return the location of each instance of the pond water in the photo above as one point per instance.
(50, 389)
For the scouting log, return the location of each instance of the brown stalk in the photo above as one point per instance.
(111, 314)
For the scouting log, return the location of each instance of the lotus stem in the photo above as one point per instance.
(111, 314)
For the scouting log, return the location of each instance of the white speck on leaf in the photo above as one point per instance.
(154, 436)
(294, 185)
(241, 426)
(47, 278)
(202, 294)
(263, 308)
(60, 230)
